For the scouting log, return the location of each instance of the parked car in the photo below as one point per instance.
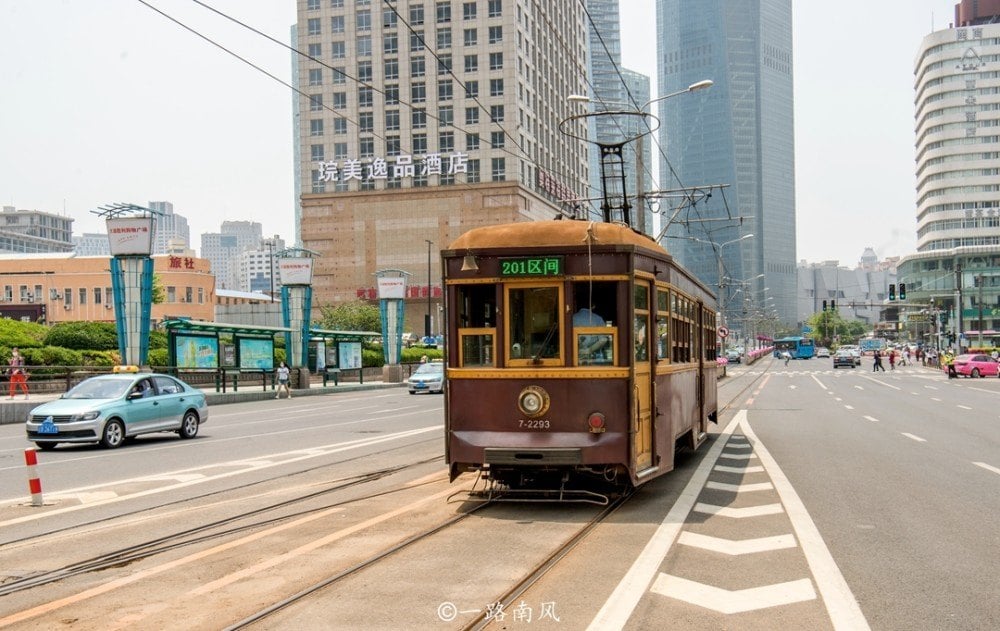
(976, 365)
(428, 378)
(733, 356)
(843, 358)
(409, 339)
(822, 351)
(108, 409)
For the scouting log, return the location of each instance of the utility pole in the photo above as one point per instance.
(958, 307)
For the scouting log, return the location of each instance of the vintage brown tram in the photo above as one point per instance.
(577, 352)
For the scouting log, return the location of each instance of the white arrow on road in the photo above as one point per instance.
(733, 548)
(739, 513)
(740, 488)
(736, 601)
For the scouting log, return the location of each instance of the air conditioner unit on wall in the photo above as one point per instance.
(67, 307)
(107, 305)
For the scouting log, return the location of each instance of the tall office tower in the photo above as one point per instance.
(615, 88)
(425, 119)
(223, 249)
(739, 134)
(958, 207)
(169, 226)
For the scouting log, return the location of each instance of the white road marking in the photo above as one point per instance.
(737, 601)
(738, 513)
(737, 456)
(848, 407)
(872, 419)
(882, 383)
(916, 438)
(740, 488)
(619, 606)
(987, 467)
(732, 445)
(845, 613)
(734, 548)
(726, 469)
(818, 382)
(936, 399)
(964, 407)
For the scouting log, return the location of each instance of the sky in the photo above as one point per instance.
(108, 101)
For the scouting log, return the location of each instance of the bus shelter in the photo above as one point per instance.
(226, 350)
(331, 353)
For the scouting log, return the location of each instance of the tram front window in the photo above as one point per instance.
(533, 316)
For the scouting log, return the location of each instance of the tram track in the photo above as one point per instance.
(202, 533)
(32, 538)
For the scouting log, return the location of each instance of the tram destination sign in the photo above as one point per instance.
(532, 266)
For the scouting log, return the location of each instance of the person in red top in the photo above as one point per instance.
(18, 378)
(892, 359)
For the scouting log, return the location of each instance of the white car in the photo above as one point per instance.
(822, 351)
(428, 378)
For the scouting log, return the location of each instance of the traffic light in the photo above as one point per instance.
(902, 291)
(833, 305)
(824, 305)
(892, 291)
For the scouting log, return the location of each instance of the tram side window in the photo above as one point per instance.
(477, 308)
(710, 334)
(595, 308)
(533, 315)
(662, 325)
(682, 332)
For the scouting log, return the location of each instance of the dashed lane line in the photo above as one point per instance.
(914, 437)
(871, 418)
(987, 467)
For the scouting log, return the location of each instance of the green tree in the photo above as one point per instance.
(828, 326)
(159, 293)
(356, 315)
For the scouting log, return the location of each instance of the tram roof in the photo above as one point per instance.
(552, 233)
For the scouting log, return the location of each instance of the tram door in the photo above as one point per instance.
(642, 405)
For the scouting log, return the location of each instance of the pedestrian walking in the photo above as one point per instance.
(878, 363)
(283, 374)
(18, 376)
(892, 360)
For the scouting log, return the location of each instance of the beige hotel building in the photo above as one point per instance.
(425, 119)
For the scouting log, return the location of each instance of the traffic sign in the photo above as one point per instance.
(723, 331)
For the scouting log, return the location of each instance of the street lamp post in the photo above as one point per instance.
(270, 265)
(427, 318)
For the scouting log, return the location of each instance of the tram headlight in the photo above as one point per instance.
(596, 423)
(533, 401)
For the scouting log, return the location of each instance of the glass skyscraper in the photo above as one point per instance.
(738, 134)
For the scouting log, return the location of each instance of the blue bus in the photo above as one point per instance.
(799, 347)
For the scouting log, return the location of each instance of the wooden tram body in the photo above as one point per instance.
(540, 394)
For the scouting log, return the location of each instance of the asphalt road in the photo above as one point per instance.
(860, 499)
